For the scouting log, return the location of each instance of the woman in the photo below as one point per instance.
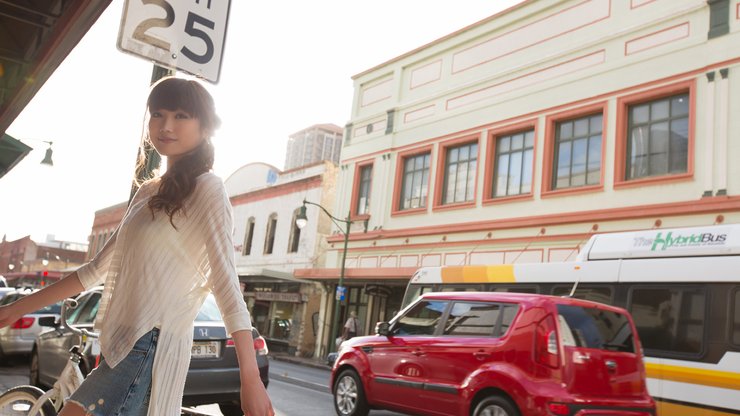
(172, 248)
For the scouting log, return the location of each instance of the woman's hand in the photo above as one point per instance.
(254, 398)
(8, 315)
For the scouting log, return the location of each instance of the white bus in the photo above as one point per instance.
(682, 287)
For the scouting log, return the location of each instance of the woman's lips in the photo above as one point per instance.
(166, 140)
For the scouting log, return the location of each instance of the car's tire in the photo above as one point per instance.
(349, 395)
(230, 409)
(496, 406)
(34, 375)
(18, 399)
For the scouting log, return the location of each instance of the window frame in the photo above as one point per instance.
(270, 232)
(548, 162)
(441, 168)
(659, 353)
(295, 233)
(490, 162)
(248, 237)
(357, 188)
(398, 182)
(622, 132)
(734, 306)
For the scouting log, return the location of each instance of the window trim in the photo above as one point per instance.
(621, 139)
(490, 161)
(356, 188)
(439, 184)
(548, 162)
(398, 181)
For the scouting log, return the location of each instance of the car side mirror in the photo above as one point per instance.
(383, 328)
(50, 321)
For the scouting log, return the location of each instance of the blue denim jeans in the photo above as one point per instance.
(123, 390)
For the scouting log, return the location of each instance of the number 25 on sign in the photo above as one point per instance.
(188, 35)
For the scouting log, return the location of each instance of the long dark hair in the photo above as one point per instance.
(179, 181)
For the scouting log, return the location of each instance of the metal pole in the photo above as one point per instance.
(337, 302)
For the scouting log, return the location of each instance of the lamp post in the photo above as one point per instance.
(344, 227)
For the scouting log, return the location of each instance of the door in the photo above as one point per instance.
(397, 363)
(601, 360)
(469, 339)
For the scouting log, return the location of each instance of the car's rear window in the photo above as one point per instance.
(595, 328)
(55, 308)
(209, 311)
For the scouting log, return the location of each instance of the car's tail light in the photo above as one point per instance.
(558, 408)
(23, 323)
(546, 343)
(260, 346)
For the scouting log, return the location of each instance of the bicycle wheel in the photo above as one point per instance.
(19, 400)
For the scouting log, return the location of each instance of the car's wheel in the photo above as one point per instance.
(496, 406)
(33, 376)
(349, 395)
(230, 409)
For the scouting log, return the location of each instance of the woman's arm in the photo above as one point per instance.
(68, 286)
(254, 398)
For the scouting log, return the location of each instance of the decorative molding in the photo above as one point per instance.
(547, 28)
(655, 39)
(536, 77)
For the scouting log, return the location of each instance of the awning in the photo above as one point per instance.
(12, 151)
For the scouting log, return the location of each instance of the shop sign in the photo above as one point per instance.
(278, 297)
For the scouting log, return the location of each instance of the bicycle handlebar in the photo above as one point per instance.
(68, 305)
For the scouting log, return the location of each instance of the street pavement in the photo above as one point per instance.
(294, 384)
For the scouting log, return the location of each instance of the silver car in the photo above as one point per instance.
(18, 338)
(213, 376)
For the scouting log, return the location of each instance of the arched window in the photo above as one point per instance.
(295, 233)
(247, 247)
(270, 235)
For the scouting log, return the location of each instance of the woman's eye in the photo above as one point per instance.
(182, 115)
(156, 114)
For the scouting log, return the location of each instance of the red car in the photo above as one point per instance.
(502, 354)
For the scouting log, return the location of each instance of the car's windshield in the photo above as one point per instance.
(55, 308)
(209, 311)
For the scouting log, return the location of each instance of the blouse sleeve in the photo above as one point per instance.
(222, 280)
(95, 271)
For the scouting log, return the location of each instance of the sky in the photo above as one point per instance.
(287, 65)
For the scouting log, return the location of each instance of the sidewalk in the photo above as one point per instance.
(308, 362)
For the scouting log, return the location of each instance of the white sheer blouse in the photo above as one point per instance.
(156, 275)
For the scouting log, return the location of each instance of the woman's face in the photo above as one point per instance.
(174, 133)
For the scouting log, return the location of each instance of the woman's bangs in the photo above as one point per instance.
(172, 96)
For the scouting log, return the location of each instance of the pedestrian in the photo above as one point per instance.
(352, 326)
(173, 247)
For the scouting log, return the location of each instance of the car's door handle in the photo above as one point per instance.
(611, 366)
(481, 355)
(418, 353)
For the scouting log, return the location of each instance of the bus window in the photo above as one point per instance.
(670, 319)
(514, 289)
(464, 288)
(736, 319)
(601, 294)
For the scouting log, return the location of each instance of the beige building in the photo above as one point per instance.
(516, 138)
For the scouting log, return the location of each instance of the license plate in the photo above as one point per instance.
(208, 349)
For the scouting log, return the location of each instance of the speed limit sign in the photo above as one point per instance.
(188, 35)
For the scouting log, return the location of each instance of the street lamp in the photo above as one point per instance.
(300, 222)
